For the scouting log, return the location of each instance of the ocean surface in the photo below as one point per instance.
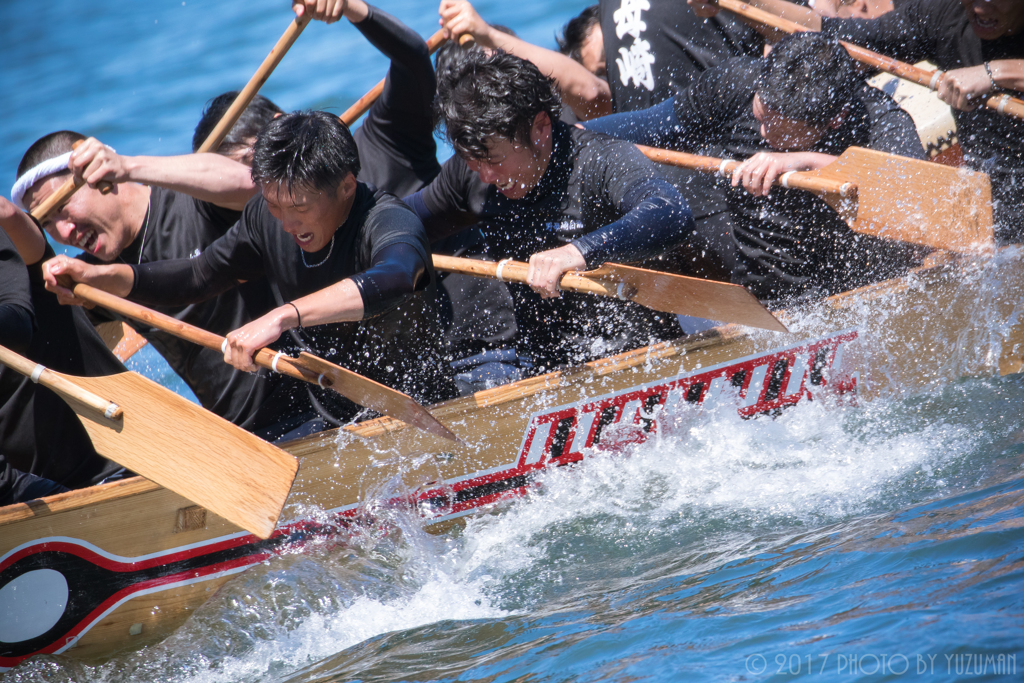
(880, 540)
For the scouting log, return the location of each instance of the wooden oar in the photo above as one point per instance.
(1004, 104)
(361, 390)
(175, 443)
(64, 192)
(363, 104)
(658, 291)
(216, 136)
(886, 195)
(246, 94)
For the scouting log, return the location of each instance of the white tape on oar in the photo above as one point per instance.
(935, 80)
(111, 409)
(785, 178)
(619, 292)
(273, 363)
(224, 345)
(846, 189)
(37, 372)
(1003, 101)
(501, 267)
(722, 167)
(320, 381)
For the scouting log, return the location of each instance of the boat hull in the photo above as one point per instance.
(92, 572)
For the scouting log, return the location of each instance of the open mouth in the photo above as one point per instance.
(304, 239)
(86, 240)
(986, 24)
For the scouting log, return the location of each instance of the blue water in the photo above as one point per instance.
(879, 541)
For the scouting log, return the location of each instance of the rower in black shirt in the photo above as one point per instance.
(349, 265)
(979, 44)
(186, 203)
(805, 99)
(44, 449)
(563, 198)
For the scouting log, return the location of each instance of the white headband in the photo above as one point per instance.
(35, 174)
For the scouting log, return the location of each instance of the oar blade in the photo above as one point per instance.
(385, 400)
(915, 201)
(190, 451)
(691, 296)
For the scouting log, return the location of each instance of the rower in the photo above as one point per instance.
(978, 46)
(795, 109)
(349, 265)
(44, 449)
(563, 198)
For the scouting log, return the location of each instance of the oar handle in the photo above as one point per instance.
(794, 179)
(1004, 104)
(64, 192)
(515, 271)
(60, 385)
(363, 104)
(245, 95)
(264, 357)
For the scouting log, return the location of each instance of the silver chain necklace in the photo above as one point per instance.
(314, 265)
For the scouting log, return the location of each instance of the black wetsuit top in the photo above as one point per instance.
(381, 247)
(601, 195)
(790, 243)
(179, 226)
(39, 433)
(397, 151)
(938, 30)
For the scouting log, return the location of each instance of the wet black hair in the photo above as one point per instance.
(48, 147)
(258, 114)
(576, 31)
(309, 149)
(492, 95)
(808, 77)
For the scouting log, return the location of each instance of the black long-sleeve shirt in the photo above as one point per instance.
(39, 433)
(396, 144)
(381, 246)
(938, 30)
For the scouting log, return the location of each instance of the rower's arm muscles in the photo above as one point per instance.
(1008, 73)
(587, 95)
(208, 177)
(341, 302)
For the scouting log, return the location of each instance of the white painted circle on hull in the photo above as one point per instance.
(32, 604)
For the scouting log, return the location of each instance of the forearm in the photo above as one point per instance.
(208, 177)
(175, 282)
(657, 220)
(341, 302)
(787, 10)
(27, 238)
(587, 95)
(1008, 73)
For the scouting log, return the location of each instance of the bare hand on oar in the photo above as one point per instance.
(328, 11)
(459, 18)
(95, 162)
(759, 172)
(548, 267)
(965, 89)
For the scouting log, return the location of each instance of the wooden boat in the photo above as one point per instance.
(81, 572)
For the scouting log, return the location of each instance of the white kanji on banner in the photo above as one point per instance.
(635, 64)
(627, 18)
